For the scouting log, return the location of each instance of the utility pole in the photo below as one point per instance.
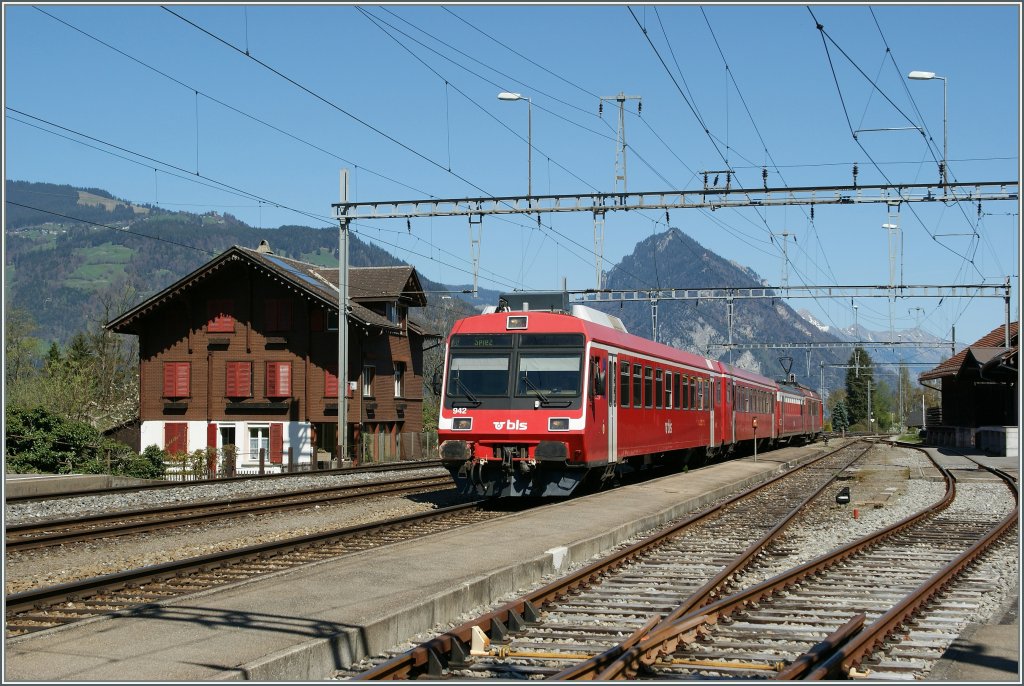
(620, 173)
(893, 229)
(343, 324)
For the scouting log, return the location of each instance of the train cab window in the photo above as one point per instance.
(668, 390)
(548, 375)
(648, 390)
(624, 384)
(675, 391)
(638, 381)
(659, 387)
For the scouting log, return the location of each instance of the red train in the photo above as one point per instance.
(539, 397)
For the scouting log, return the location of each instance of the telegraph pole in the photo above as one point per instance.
(343, 323)
(620, 173)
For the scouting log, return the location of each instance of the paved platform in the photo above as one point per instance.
(303, 624)
(984, 653)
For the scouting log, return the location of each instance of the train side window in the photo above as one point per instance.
(638, 381)
(648, 390)
(675, 391)
(624, 384)
(668, 390)
(659, 387)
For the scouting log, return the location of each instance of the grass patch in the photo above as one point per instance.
(321, 257)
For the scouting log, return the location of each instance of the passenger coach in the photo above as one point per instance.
(540, 396)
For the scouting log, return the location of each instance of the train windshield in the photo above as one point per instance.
(548, 375)
(478, 374)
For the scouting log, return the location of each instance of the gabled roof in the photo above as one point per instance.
(978, 353)
(320, 284)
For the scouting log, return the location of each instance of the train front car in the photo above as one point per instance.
(514, 403)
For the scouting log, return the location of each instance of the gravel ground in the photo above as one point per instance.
(49, 566)
(20, 513)
(882, 493)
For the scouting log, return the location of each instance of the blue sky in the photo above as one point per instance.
(423, 81)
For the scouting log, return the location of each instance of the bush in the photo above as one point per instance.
(40, 442)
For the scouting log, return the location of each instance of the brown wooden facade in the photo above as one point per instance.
(980, 395)
(244, 352)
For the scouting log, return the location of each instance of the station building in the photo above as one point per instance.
(243, 352)
(980, 396)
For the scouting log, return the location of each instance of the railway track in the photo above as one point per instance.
(22, 537)
(623, 618)
(285, 476)
(44, 608)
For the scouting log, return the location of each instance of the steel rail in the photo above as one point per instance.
(842, 663)
(665, 638)
(341, 471)
(22, 536)
(34, 599)
(702, 596)
(525, 610)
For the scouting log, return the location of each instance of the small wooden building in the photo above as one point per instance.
(243, 352)
(980, 395)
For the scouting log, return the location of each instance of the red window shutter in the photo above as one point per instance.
(238, 380)
(176, 379)
(279, 314)
(276, 443)
(211, 435)
(330, 384)
(219, 316)
(169, 377)
(279, 379)
(176, 437)
(181, 379)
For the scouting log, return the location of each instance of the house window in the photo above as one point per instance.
(399, 379)
(219, 317)
(259, 439)
(176, 379)
(368, 374)
(238, 380)
(279, 314)
(279, 379)
(391, 312)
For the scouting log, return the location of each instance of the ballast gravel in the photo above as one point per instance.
(42, 567)
(66, 508)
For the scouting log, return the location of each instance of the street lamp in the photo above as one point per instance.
(529, 136)
(928, 76)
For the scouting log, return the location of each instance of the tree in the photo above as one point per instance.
(859, 374)
(840, 417)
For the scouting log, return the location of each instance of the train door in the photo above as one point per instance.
(731, 409)
(611, 381)
(715, 407)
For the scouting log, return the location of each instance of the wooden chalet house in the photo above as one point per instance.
(980, 396)
(243, 351)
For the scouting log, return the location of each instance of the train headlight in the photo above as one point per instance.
(558, 424)
(462, 424)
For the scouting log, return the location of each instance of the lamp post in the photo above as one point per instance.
(529, 136)
(928, 76)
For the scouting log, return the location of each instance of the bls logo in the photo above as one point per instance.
(512, 424)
